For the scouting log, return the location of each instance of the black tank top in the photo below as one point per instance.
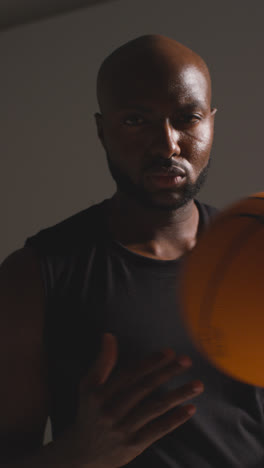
(94, 284)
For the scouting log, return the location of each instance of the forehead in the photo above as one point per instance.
(189, 85)
(185, 85)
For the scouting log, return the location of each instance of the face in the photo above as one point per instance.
(157, 134)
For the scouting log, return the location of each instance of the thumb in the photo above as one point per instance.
(104, 363)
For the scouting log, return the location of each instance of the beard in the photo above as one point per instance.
(137, 192)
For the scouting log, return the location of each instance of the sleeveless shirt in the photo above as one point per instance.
(93, 284)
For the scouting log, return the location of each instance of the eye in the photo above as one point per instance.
(134, 120)
(191, 118)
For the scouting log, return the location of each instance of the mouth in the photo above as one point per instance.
(166, 177)
(173, 171)
(161, 180)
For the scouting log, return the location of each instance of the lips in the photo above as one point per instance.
(161, 180)
(169, 172)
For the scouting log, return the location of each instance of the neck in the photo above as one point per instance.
(163, 234)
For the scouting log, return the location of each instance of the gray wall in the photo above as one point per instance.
(51, 162)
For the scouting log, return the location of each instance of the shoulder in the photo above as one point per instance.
(211, 210)
(206, 209)
(82, 226)
(21, 283)
(19, 266)
(207, 213)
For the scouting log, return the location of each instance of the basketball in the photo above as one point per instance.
(223, 291)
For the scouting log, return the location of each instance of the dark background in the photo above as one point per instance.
(52, 164)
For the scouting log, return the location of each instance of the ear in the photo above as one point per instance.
(99, 124)
(213, 111)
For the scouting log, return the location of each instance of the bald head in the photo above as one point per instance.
(148, 59)
(155, 100)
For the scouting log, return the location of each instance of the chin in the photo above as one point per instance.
(162, 200)
(168, 204)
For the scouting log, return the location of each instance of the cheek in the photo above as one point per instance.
(202, 142)
(121, 144)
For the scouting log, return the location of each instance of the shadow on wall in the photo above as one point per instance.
(19, 12)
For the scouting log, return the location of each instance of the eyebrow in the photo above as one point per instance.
(196, 104)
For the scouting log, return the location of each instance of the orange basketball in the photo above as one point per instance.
(223, 291)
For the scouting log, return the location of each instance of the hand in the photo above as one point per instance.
(116, 420)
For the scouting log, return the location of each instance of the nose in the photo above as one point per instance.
(167, 140)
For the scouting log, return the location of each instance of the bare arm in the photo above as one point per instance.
(24, 396)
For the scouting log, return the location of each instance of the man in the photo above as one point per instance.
(125, 397)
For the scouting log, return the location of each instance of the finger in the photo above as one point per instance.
(125, 378)
(152, 409)
(162, 426)
(103, 365)
(119, 406)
